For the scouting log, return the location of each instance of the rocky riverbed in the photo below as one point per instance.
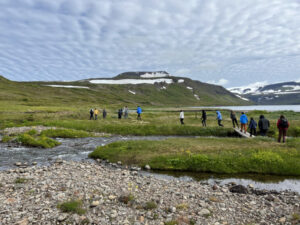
(116, 195)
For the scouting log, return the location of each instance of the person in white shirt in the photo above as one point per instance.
(181, 116)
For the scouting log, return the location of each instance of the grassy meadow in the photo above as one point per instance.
(217, 155)
(218, 150)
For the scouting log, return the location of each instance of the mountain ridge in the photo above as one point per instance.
(156, 88)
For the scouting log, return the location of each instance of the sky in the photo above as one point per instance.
(225, 42)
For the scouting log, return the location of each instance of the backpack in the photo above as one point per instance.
(91, 111)
(284, 123)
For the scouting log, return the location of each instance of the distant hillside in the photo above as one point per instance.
(285, 93)
(131, 88)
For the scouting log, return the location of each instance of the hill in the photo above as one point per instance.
(285, 93)
(131, 88)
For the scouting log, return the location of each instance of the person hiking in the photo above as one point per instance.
(91, 114)
(139, 112)
(219, 118)
(181, 117)
(282, 125)
(96, 112)
(120, 112)
(104, 113)
(244, 122)
(263, 125)
(252, 127)
(233, 119)
(126, 110)
(203, 118)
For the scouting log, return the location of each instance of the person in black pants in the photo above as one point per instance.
(252, 127)
(263, 125)
(234, 120)
(203, 118)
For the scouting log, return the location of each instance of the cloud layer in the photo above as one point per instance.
(240, 41)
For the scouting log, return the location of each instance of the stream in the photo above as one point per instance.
(79, 148)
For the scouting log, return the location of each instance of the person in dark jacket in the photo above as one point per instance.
(104, 113)
(120, 113)
(91, 114)
(282, 125)
(252, 127)
(203, 118)
(233, 119)
(263, 125)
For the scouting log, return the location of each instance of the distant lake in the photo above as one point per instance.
(271, 108)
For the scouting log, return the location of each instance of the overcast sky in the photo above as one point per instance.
(228, 42)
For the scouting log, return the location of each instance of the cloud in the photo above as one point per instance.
(241, 41)
(220, 82)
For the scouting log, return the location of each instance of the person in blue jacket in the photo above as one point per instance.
(139, 112)
(244, 122)
(219, 118)
(252, 126)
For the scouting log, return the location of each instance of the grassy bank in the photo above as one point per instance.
(218, 155)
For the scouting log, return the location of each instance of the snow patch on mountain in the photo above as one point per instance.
(180, 81)
(66, 86)
(190, 88)
(132, 81)
(196, 96)
(246, 99)
(132, 92)
(154, 75)
(248, 89)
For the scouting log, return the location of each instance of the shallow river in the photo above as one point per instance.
(79, 148)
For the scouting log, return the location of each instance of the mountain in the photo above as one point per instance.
(157, 88)
(285, 93)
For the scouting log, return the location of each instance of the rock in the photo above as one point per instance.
(147, 167)
(215, 187)
(204, 212)
(238, 189)
(173, 209)
(282, 220)
(34, 163)
(142, 219)
(270, 198)
(95, 203)
(62, 217)
(59, 161)
(119, 163)
(112, 197)
(18, 164)
(23, 222)
(250, 185)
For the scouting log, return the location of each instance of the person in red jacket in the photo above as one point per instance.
(282, 125)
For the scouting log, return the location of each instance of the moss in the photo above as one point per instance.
(20, 180)
(126, 198)
(42, 141)
(6, 138)
(150, 205)
(73, 206)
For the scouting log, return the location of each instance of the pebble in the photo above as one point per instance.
(99, 186)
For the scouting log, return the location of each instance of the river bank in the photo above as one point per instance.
(32, 195)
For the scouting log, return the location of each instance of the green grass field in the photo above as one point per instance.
(218, 155)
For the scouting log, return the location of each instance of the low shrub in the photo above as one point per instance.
(73, 206)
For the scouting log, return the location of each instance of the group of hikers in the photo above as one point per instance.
(95, 112)
(263, 123)
(121, 113)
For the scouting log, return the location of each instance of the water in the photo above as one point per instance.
(270, 108)
(79, 148)
(70, 149)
